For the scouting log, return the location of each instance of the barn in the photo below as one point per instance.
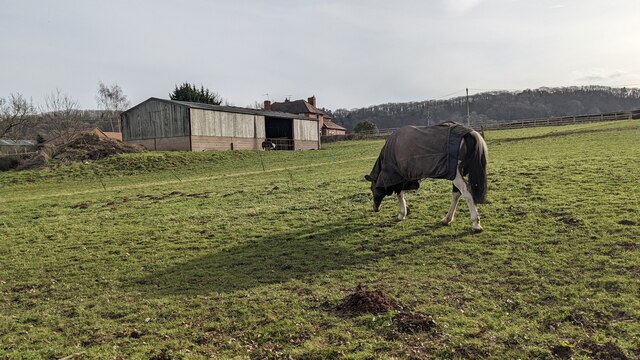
(160, 124)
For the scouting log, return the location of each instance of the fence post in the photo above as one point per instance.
(261, 162)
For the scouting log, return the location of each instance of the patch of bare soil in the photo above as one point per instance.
(627, 222)
(560, 133)
(408, 322)
(202, 195)
(363, 300)
(117, 202)
(165, 354)
(562, 351)
(161, 197)
(609, 351)
(570, 220)
(81, 206)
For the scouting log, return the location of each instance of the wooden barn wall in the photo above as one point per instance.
(218, 123)
(217, 130)
(155, 119)
(305, 130)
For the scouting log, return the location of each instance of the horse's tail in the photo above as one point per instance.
(476, 166)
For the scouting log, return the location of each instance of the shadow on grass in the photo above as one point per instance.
(281, 257)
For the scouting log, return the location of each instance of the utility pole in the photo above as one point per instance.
(468, 119)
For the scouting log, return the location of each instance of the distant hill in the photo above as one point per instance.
(496, 107)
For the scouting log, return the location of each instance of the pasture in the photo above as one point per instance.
(252, 255)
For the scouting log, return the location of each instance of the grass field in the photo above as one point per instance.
(250, 255)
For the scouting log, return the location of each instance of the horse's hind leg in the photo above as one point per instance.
(455, 196)
(462, 185)
(402, 203)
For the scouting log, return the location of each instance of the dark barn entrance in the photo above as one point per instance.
(280, 132)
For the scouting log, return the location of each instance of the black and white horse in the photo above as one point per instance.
(458, 153)
(268, 145)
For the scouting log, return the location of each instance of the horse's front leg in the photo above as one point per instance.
(462, 185)
(402, 203)
(455, 196)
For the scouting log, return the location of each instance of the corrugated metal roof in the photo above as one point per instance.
(231, 109)
(7, 142)
(331, 125)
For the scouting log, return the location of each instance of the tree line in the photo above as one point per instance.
(60, 115)
(496, 107)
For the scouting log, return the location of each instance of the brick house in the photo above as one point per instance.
(308, 109)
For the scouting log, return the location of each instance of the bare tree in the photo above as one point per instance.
(113, 100)
(61, 120)
(16, 114)
(256, 105)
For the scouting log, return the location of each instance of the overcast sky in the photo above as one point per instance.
(347, 53)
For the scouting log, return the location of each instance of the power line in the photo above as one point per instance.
(448, 95)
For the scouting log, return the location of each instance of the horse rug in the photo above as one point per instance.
(413, 153)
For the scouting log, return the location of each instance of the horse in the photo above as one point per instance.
(268, 145)
(446, 151)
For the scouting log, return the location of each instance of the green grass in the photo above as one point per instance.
(205, 255)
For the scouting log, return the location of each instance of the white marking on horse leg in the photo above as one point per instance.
(455, 196)
(402, 203)
(461, 184)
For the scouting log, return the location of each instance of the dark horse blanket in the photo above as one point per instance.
(413, 153)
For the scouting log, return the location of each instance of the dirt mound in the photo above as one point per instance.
(84, 147)
(92, 147)
(363, 300)
(412, 323)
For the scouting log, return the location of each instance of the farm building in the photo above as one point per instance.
(8, 146)
(308, 108)
(331, 128)
(160, 124)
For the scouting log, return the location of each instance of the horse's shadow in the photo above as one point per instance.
(281, 257)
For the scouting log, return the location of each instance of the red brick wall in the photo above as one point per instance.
(180, 143)
(305, 144)
(202, 143)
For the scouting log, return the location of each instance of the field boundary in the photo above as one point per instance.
(565, 120)
(516, 124)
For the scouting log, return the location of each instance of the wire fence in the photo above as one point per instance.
(281, 143)
(565, 120)
(517, 124)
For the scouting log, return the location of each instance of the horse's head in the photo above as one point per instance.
(378, 194)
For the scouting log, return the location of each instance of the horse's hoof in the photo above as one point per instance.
(445, 222)
(478, 229)
(400, 218)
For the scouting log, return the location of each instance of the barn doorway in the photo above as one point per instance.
(280, 132)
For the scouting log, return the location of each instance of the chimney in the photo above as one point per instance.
(267, 105)
(312, 100)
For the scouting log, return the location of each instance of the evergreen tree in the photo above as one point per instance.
(191, 93)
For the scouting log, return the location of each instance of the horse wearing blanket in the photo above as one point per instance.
(446, 151)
